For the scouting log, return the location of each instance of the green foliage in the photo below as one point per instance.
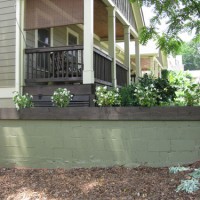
(178, 90)
(148, 92)
(61, 97)
(175, 170)
(188, 93)
(191, 55)
(107, 97)
(192, 95)
(195, 174)
(165, 74)
(128, 97)
(188, 186)
(182, 16)
(159, 91)
(146, 95)
(22, 101)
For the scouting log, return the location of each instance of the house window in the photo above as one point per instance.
(72, 37)
(43, 37)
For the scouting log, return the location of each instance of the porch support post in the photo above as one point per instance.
(127, 52)
(152, 60)
(137, 59)
(156, 70)
(88, 72)
(112, 42)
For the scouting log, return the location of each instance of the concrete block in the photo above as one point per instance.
(159, 145)
(182, 157)
(62, 154)
(182, 145)
(134, 145)
(54, 142)
(114, 144)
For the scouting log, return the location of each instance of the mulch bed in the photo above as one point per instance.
(142, 183)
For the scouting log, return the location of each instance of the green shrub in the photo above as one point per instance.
(61, 97)
(128, 97)
(165, 91)
(188, 93)
(148, 92)
(105, 97)
(22, 101)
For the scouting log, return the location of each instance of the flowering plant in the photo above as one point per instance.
(107, 97)
(61, 97)
(22, 101)
(147, 96)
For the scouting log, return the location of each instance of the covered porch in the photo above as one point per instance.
(78, 49)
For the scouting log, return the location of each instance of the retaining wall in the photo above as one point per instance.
(87, 142)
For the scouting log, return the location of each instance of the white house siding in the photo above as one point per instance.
(30, 39)
(59, 36)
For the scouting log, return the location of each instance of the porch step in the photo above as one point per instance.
(83, 95)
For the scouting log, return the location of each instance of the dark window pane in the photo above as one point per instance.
(72, 39)
(43, 37)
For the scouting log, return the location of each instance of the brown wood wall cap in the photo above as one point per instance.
(104, 113)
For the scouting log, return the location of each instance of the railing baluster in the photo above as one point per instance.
(62, 64)
(49, 64)
(53, 64)
(67, 64)
(76, 62)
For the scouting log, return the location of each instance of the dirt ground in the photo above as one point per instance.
(142, 183)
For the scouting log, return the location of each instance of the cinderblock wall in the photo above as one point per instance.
(51, 144)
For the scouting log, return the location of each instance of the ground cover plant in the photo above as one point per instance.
(141, 183)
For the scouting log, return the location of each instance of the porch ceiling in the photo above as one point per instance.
(101, 22)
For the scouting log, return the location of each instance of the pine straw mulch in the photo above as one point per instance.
(142, 183)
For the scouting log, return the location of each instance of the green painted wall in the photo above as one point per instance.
(50, 144)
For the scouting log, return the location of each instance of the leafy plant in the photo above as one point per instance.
(128, 97)
(195, 174)
(61, 97)
(192, 95)
(165, 91)
(175, 170)
(105, 97)
(22, 101)
(180, 16)
(187, 93)
(146, 96)
(188, 186)
(152, 92)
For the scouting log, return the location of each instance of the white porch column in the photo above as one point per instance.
(112, 41)
(127, 52)
(152, 60)
(156, 70)
(88, 72)
(137, 59)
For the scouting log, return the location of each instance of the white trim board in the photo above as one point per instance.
(6, 93)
